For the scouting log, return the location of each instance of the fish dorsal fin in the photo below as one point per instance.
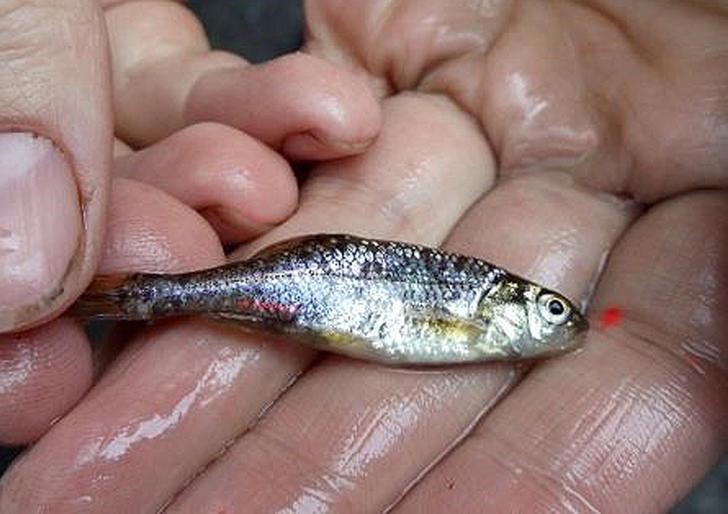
(298, 242)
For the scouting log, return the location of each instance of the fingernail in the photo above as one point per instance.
(40, 226)
(307, 146)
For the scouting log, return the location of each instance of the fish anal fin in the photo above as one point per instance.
(258, 312)
(247, 321)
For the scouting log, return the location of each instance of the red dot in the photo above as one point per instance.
(611, 316)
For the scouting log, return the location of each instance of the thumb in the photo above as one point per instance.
(55, 152)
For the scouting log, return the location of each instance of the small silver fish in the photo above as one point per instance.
(383, 301)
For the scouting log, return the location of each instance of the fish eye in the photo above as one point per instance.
(553, 309)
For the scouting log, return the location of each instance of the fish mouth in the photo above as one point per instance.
(573, 338)
(576, 337)
(580, 326)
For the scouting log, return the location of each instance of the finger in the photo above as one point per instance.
(299, 104)
(43, 373)
(532, 79)
(121, 149)
(46, 370)
(538, 84)
(304, 106)
(640, 414)
(54, 156)
(393, 190)
(148, 231)
(350, 447)
(242, 189)
(187, 375)
(377, 436)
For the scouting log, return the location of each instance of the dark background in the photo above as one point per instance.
(262, 29)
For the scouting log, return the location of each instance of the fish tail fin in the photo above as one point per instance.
(104, 299)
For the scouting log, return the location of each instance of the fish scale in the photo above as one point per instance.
(385, 301)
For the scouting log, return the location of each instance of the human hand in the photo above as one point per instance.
(627, 424)
(161, 62)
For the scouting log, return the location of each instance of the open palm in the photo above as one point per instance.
(544, 136)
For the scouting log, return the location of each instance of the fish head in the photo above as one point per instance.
(525, 320)
(555, 324)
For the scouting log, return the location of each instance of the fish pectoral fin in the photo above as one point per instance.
(467, 332)
(446, 325)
